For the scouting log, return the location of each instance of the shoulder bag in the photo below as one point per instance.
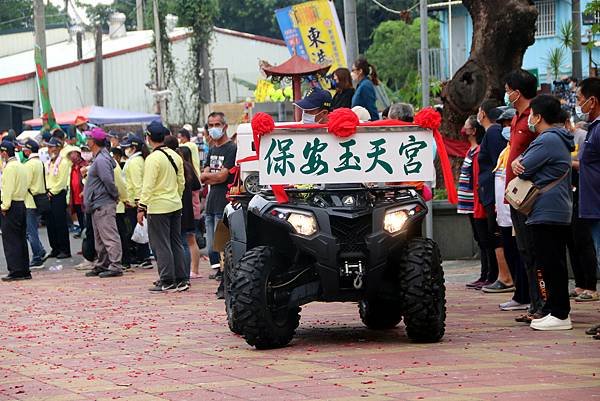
(42, 202)
(522, 194)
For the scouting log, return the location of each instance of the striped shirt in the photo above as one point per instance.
(466, 203)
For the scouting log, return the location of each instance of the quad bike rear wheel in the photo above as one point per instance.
(264, 321)
(423, 291)
(380, 314)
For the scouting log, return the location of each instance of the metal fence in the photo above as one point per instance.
(438, 64)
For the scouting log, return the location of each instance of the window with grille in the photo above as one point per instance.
(546, 20)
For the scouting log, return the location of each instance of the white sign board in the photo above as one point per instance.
(373, 154)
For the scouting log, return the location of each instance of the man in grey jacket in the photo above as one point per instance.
(100, 196)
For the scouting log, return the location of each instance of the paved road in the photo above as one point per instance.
(67, 337)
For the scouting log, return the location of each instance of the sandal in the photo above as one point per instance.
(593, 330)
(588, 296)
(574, 293)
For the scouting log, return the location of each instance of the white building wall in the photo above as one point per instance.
(125, 76)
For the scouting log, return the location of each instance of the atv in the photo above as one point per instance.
(331, 243)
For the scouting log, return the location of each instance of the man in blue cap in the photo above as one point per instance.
(36, 186)
(14, 220)
(315, 106)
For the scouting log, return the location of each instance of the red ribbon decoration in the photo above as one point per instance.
(342, 122)
(263, 124)
(431, 119)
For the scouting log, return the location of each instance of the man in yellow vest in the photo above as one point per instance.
(14, 220)
(160, 201)
(36, 186)
(57, 180)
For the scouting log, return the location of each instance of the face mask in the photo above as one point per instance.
(129, 151)
(580, 114)
(308, 118)
(531, 125)
(478, 119)
(507, 98)
(506, 133)
(87, 156)
(354, 76)
(333, 84)
(215, 133)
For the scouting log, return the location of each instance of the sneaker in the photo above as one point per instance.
(158, 286)
(36, 265)
(85, 265)
(528, 317)
(146, 264)
(10, 277)
(513, 305)
(169, 287)
(588, 296)
(215, 266)
(110, 273)
(94, 272)
(497, 287)
(182, 286)
(551, 323)
(474, 284)
(63, 255)
(216, 276)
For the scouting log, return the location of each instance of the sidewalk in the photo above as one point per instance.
(67, 337)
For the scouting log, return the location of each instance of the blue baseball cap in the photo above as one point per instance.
(132, 140)
(316, 98)
(7, 146)
(53, 143)
(32, 145)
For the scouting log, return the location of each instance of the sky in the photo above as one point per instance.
(77, 12)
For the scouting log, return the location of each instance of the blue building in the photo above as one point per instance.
(456, 31)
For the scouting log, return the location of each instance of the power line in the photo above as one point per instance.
(391, 10)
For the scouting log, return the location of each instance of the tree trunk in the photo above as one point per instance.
(501, 34)
(502, 31)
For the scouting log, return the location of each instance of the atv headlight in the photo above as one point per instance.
(303, 223)
(394, 220)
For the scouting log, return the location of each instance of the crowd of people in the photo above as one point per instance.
(533, 142)
(173, 187)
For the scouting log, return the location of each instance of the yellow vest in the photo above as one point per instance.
(134, 177)
(122, 188)
(195, 156)
(162, 187)
(57, 176)
(14, 183)
(35, 179)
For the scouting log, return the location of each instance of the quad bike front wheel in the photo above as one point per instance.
(228, 274)
(423, 291)
(380, 314)
(264, 321)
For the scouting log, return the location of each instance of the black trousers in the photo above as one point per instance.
(582, 253)
(139, 252)
(14, 239)
(58, 229)
(123, 232)
(515, 265)
(78, 209)
(487, 249)
(550, 243)
(528, 257)
(164, 231)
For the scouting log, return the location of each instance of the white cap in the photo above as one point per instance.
(188, 128)
(361, 113)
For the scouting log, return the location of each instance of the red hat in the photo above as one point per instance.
(79, 120)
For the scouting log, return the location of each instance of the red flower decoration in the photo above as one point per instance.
(262, 124)
(342, 122)
(428, 118)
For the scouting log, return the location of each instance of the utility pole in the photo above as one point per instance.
(98, 76)
(576, 46)
(139, 14)
(160, 99)
(351, 30)
(39, 21)
(425, 89)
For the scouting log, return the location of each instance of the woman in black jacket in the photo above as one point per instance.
(343, 89)
(188, 228)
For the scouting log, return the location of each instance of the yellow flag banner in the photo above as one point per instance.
(312, 30)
